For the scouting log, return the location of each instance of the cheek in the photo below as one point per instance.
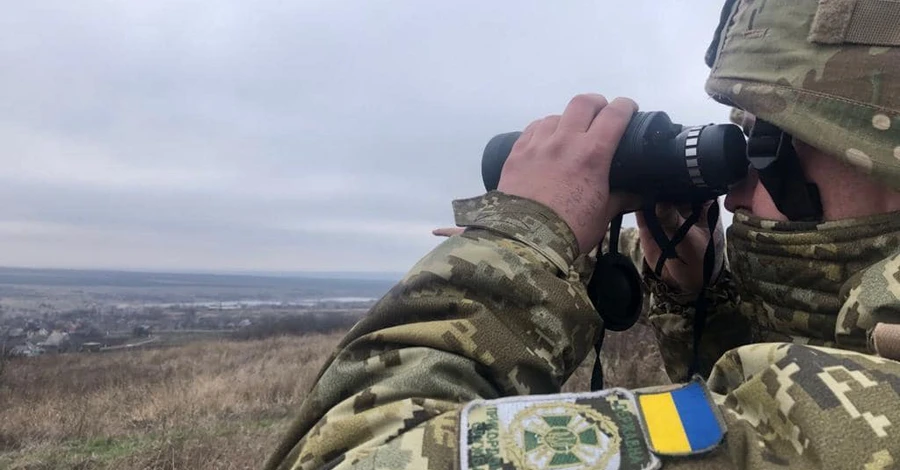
(763, 205)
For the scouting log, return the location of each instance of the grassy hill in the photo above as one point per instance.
(214, 404)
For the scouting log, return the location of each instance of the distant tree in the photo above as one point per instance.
(190, 316)
(305, 323)
(140, 331)
(91, 330)
(2, 359)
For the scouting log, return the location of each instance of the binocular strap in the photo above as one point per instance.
(668, 252)
(701, 304)
(615, 227)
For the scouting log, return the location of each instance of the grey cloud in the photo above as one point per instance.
(332, 132)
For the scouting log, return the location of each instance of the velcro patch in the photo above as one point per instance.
(597, 430)
(681, 421)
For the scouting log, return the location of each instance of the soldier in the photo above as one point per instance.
(460, 364)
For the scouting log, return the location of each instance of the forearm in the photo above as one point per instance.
(484, 315)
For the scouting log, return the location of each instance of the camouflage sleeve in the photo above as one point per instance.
(671, 314)
(871, 297)
(796, 406)
(499, 310)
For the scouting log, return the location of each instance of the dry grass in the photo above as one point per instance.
(213, 404)
(206, 405)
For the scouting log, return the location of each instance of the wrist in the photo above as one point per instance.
(667, 294)
(524, 220)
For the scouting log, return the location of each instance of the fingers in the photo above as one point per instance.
(546, 127)
(581, 111)
(670, 217)
(559, 163)
(703, 221)
(447, 231)
(526, 136)
(607, 128)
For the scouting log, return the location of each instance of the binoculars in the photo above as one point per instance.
(657, 159)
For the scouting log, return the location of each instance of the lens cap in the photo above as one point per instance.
(615, 291)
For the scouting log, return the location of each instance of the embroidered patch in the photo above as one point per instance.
(681, 421)
(598, 430)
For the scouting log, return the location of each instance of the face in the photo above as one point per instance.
(752, 196)
(845, 193)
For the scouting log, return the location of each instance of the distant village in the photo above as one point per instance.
(29, 332)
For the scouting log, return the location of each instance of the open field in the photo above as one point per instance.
(210, 404)
(227, 362)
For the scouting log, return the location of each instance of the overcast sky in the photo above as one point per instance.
(301, 135)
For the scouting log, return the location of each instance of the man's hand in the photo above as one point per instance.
(563, 162)
(686, 277)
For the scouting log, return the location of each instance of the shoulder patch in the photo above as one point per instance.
(597, 430)
(681, 421)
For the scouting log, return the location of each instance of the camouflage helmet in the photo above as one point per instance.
(825, 71)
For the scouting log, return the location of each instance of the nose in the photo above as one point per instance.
(740, 196)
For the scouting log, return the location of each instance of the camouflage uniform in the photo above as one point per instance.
(825, 284)
(827, 72)
(502, 311)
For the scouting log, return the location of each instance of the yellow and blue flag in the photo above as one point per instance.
(681, 421)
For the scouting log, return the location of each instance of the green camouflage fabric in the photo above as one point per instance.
(671, 314)
(807, 407)
(825, 71)
(501, 310)
(629, 245)
(822, 283)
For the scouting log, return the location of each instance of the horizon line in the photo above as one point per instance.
(216, 272)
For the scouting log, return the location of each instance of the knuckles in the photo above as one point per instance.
(588, 99)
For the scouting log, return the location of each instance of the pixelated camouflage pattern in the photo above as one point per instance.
(540, 230)
(671, 314)
(807, 407)
(839, 97)
(629, 245)
(871, 297)
(802, 282)
(485, 315)
(816, 283)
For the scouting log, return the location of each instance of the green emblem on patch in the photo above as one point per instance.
(599, 430)
(563, 435)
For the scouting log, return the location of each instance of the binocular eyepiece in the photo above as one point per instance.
(656, 158)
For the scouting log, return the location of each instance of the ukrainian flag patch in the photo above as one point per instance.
(681, 421)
